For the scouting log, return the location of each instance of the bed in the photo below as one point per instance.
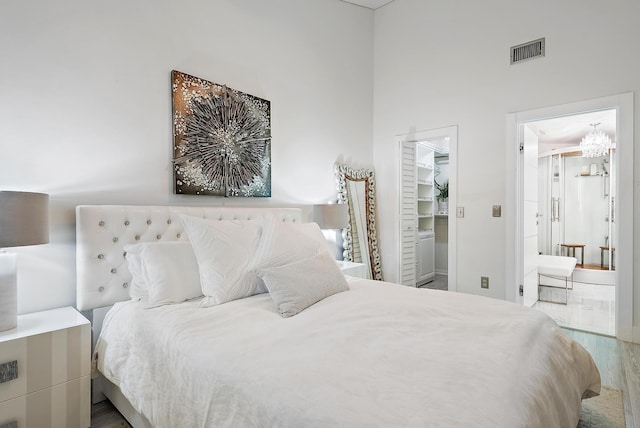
(367, 353)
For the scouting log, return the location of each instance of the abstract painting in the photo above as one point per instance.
(221, 139)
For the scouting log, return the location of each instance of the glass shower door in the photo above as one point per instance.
(587, 206)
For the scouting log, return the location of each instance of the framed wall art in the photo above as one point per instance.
(221, 139)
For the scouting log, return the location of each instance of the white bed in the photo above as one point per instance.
(379, 354)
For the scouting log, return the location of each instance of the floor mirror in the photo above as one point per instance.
(356, 188)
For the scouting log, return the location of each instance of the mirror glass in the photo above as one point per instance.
(356, 188)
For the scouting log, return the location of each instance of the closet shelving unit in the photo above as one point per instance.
(425, 191)
(425, 268)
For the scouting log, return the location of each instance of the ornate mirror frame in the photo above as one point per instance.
(344, 176)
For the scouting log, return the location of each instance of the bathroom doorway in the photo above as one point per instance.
(518, 219)
(576, 217)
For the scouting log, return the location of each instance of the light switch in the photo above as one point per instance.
(460, 212)
(497, 210)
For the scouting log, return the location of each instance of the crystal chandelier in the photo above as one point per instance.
(595, 143)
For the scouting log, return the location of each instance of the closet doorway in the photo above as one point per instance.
(521, 259)
(427, 189)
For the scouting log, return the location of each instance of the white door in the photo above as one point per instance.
(408, 210)
(530, 217)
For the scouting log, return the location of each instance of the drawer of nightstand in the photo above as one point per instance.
(66, 405)
(14, 350)
(46, 359)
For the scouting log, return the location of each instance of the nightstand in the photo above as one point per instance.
(358, 270)
(45, 371)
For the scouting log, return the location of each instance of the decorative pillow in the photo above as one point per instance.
(284, 243)
(139, 288)
(166, 271)
(296, 286)
(224, 249)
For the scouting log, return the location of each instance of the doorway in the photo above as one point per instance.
(575, 216)
(427, 187)
(516, 216)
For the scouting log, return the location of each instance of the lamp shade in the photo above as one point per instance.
(24, 219)
(331, 216)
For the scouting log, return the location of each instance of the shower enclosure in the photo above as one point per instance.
(577, 207)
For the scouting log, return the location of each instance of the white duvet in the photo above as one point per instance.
(379, 355)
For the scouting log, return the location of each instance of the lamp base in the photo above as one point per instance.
(8, 291)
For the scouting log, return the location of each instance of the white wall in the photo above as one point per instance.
(442, 63)
(85, 104)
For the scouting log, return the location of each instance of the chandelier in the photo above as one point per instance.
(595, 143)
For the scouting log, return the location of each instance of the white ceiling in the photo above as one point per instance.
(569, 130)
(371, 4)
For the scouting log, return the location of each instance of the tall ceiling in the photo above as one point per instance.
(559, 131)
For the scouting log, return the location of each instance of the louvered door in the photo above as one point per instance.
(408, 213)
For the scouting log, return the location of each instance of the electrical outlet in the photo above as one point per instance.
(484, 282)
(460, 212)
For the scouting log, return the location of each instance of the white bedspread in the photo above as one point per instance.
(379, 355)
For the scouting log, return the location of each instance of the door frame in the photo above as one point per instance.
(452, 133)
(623, 104)
(529, 257)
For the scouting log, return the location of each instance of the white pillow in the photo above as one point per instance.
(163, 272)
(284, 243)
(224, 249)
(296, 286)
(139, 288)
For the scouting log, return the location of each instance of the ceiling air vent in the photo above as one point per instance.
(527, 51)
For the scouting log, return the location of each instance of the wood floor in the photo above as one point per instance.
(619, 365)
(104, 415)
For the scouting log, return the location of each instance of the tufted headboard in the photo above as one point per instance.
(102, 231)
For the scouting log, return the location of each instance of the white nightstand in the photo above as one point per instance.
(52, 384)
(353, 269)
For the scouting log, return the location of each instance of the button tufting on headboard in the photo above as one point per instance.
(103, 284)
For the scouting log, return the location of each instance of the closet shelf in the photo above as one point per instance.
(424, 166)
(425, 182)
(598, 174)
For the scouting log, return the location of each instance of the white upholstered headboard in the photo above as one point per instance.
(102, 231)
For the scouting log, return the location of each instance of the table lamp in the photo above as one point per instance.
(24, 220)
(331, 216)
